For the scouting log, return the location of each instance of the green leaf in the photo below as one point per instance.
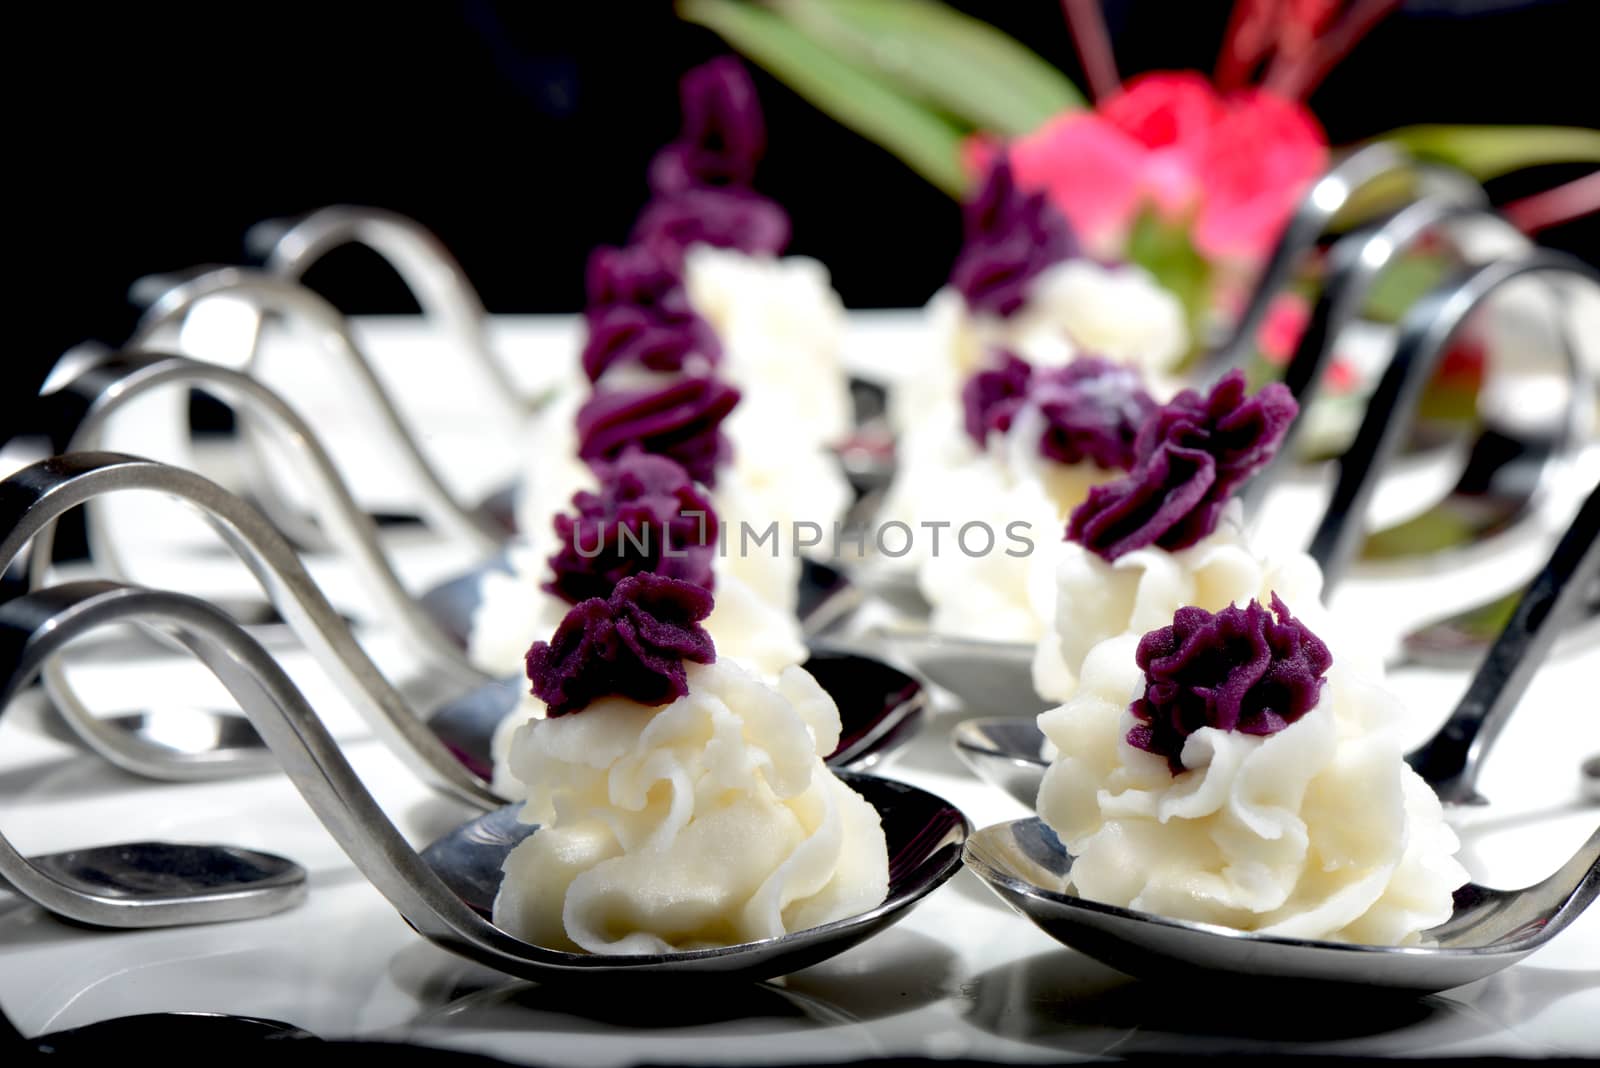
(1489, 151)
(1432, 532)
(1403, 283)
(931, 51)
(927, 142)
(1164, 248)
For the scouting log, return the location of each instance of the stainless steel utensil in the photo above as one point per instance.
(1489, 931)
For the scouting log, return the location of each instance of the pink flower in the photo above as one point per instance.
(1088, 167)
(1237, 163)
(1261, 157)
(1172, 115)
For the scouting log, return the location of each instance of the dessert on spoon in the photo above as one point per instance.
(1250, 810)
(683, 801)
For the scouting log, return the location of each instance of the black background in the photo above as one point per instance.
(147, 139)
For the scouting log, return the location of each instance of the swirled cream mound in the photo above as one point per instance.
(782, 329)
(1095, 599)
(1219, 770)
(683, 803)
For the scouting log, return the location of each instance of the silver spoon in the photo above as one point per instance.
(136, 884)
(471, 525)
(442, 893)
(880, 706)
(1009, 751)
(290, 247)
(1425, 334)
(1490, 930)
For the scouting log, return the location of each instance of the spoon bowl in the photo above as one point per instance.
(925, 836)
(1026, 865)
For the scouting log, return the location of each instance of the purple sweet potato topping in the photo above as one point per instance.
(681, 420)
(992, 396)
(1192, 454)
(1092, 407)
(639, 313)
(724, 135)
(723, 217)
(647, 516)
(1011, 237)
(700, 183)
(631, 644)
(1236, 670)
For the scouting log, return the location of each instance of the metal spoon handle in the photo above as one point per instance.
(32, 499)
(94, 396)
(35, 627)
(1354, 265)
(1451, 761)
(1426, 332)
(1322, 202)
(471, 525)
(436, 281)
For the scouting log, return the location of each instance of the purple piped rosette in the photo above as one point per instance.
(723, 135)
(1239, 669)
(632, 644)
(681, 420)
(639, 314)
(719, 216)
(991, 397)
(1092, 408)
(648, 515)
(1011, 237)
(1193, 454)
(638, 604)
(700, 182)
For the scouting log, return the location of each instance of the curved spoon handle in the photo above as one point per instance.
(1425, 334)
(34, 627)
(1452, 759)
(1355, 264)
(469, 524)
(97, 393)
(440, 287)
(1322, 202)
(32, 499)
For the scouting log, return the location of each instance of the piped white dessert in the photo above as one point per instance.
(1045, 437)
(1228, 768)
(1021, 300)
(683, 802)
(1170, 533)
(704, 346)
